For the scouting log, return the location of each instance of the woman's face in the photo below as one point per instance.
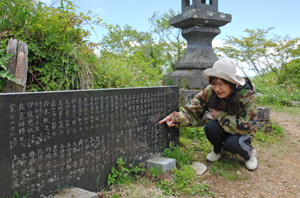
(221, 88)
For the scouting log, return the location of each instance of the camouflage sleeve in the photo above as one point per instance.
(243, 123)
(192, 113)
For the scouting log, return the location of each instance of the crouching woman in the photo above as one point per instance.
(229, 103)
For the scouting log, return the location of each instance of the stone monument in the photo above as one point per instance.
(200, 22)
(70, 138)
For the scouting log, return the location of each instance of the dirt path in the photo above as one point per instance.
(278, 174)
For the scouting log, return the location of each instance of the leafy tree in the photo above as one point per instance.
(263, 53)
(170, 45)
(133, 58)
(127, 61)
(292, 67)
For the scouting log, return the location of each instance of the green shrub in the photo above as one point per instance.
(59, 56)
(275, 94)
(129, 71)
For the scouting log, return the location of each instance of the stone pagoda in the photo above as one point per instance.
(199, 22)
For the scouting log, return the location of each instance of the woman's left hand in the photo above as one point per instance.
(214, 113)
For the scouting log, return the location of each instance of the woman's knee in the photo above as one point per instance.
(212, 127)
(232, 143)
(239, 144)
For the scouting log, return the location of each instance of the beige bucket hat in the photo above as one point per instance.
(225, 69)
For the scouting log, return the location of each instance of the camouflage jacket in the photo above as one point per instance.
(244, 123)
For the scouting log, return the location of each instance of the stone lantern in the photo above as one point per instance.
(199, 22)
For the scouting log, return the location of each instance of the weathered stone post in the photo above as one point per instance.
(200, 22)
(17, 66)
(263, 121)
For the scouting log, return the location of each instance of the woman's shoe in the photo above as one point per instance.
(251, 164)
(212, 157)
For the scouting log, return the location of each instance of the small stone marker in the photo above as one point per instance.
(162, 163)
(17, 66)
(77, 192)
(263, 120)
(199, 168)
(263, 114)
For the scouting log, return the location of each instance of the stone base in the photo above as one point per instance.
(187, 79)
(162, 163)
(185, 96)
(263, 114)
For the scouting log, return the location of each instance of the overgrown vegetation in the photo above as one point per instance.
(61, 57)
(4, 73)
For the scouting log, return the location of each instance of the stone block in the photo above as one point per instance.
(188, 79)
(199, 168)
(162, 163)
(77, 192)
(263, 114)
(186, 96)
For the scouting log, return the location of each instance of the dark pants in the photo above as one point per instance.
(234, 143)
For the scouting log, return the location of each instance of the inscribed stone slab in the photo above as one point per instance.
(71, 137)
